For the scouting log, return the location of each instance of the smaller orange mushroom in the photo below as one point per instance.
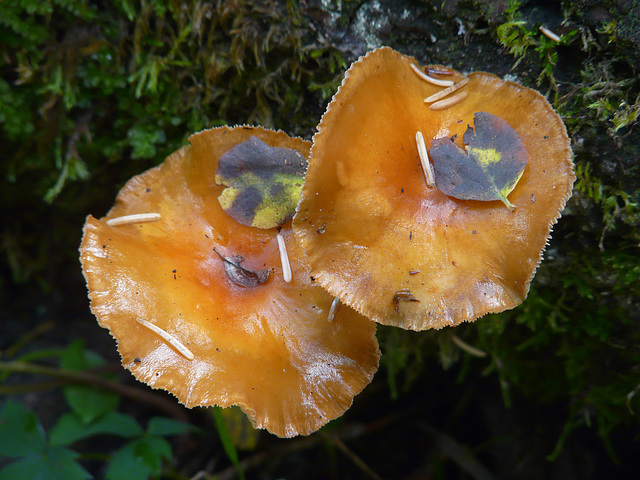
(200, 306)
(388, 234)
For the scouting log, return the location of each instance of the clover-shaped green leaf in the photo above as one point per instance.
(489, 169)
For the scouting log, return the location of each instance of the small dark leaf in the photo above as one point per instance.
(264, 183)
(227, 441)
(55, 463)
(163, 427)
(139, 459)
(88, 402)
(20, 431)
(239, 427)
(241, 276)
(70, 427)
(489, 169)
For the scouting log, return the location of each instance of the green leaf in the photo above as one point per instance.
(489, 169)
(162, 426)
(20, 432)
(56, 463)
(243, 435)
(139, 459)
(88, 402)
(70, 428)
(264, 183)
(227, 442)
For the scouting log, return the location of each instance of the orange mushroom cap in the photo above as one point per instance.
(406, 254)
(269, 348)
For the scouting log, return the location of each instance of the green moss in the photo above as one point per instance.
(519, 37)
(93, 95)
(513, 33)
(612, 99)
(571, 342)
(616, 205)
(118, 85)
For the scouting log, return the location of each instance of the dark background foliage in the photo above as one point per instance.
(92, 93)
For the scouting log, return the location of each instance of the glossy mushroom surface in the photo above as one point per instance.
(268, 348)
(403, 253)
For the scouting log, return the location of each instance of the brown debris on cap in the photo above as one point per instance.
(256, 341)
(380, 222)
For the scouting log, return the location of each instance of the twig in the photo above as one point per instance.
(28, 337)
(85, 378)
(344, 433)
(352, 455)
(459, 454)
(23, 388)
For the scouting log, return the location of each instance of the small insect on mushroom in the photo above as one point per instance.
(424, 160)
(135, 218)
(284, 258)
(173, 341)
(433, 81)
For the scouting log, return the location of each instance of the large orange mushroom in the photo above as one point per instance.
(402, 247)
(200, 306)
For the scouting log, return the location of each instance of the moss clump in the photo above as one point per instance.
(87, 91)
(519, 35)
(572, 342)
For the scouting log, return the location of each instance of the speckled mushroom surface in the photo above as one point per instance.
(268, 348)
(403, 253)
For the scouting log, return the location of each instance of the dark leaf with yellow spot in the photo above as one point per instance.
(264, 183)
(489, 169)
